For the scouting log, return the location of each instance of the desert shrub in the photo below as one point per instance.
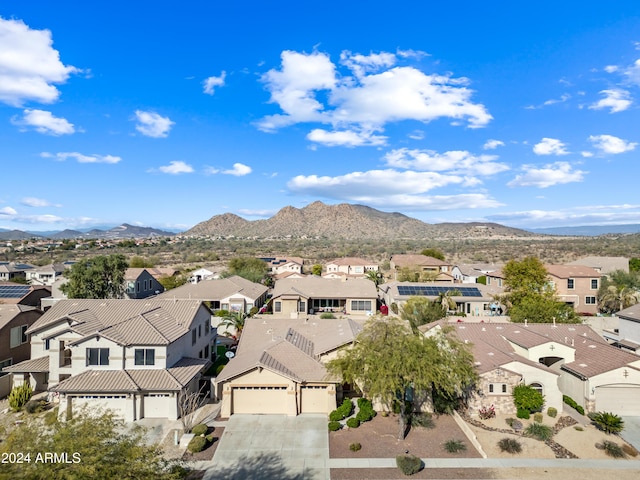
(527, 398)
(573, 404)
(454, 446)
(19, 396)
(327, 315)
(197, 444)
(485, 413)
(629, 450)
(394, 307)
(409, 464)
(354, 447)
(578, 428)
(580, 409)
(510, 445)
(607, 422)
(517, 425)
(36, 406)
(424, 420)
(199, 429)
(509, 421)
(333, 426)
(611, 448)
(51, 417)
(343, 411)
(353, 423)
(523, 413)
(335, 416)
(365, 410)
(537, 417)
(539, 431)
(552, 412)
(210, 438)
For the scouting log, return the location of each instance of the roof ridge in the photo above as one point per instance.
(269, 362)
(299, 341)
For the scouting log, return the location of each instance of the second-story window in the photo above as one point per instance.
(97, 356)
(594, 284)
(570, 283)
(145, 356)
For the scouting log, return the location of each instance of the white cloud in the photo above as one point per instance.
(611, 68)
(615, 99)
(550, 146)
(492, 144)
(238, 170)
(345, 138)
(611, 144)
(597, 215)
(563, 98)
(152, 124)
(37, 202)
(633, 72)
(8, 211)
(416, 135)
(29, 65)
(257, 213)
(176, 167)
(44, 122)
(81, 158)
(211, 83)
(457, 161)
(553, 174)
(374, 95)
(586, 154)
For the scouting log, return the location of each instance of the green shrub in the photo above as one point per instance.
(199, 429)
(19, 396)
(197, 444)
(523, 413)
(365, 410)
(327, 315)
(539, 431)
(409, 464)
(253, 311)
(607, 422)
(578, 428)
(335, 416)
(394, 307)
(219, 369)
(36, 406)
(454, 446)
(611, 448)
(573, 404)
(537, 417)
(552, 412)
(527, 398)
(629, 450)
(509, 421)
(210, 438)
(424, 420)
(580, 409)
(333, 426)
(354, 447)
(353, 423)
(51, 417)
(510, 445)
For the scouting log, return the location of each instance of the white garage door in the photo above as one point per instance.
(618, 399)
(157, 405)
(259, 400)
(119, 404)
(314, 399)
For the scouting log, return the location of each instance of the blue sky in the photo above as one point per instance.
(164, 114)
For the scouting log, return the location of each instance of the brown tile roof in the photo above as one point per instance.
(10, 311)
(409, 260)
(351, 261)
(40, 364)
(143, 322)
(630, 313)
(319, 287)
(97, 381)
(217, 289)
(572, 271)
(604, 265)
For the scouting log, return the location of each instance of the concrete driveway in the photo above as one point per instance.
(631, 432)
(272, 446)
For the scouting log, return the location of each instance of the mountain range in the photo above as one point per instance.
(122, 231)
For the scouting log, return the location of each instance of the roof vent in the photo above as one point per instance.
(490, 354)
(592, 346)
(583, 364)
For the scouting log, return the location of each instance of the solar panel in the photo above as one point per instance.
(14, 291)
(434, 291)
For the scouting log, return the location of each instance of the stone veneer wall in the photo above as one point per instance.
(502, 402)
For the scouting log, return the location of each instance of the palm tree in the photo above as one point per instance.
(233, 321)
(619, 297)
(375, 276)
(445, 300)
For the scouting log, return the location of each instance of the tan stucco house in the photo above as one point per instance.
(576, 285)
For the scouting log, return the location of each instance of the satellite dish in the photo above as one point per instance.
(229, 354)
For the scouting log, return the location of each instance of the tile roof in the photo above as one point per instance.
(630, 313)
(141, 322)
(217, 289)
(320, 287)
(40, 364)
(291, 347)
(408, 260)
(10, 311)
(351, 261)
(604, 265)
(571, 271)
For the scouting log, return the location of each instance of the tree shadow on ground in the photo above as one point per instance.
(264, 466)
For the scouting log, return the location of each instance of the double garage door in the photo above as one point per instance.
(275, 400)
(618, 399)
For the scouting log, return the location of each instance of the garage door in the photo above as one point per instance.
(157, 405)
(119, 404)
(314, 399)
(618, 399)
(259, 400)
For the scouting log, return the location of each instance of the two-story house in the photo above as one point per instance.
(351, 266)
(45, 275)
(132, 356)
(576, 285)
(426, 268)
(140, 283)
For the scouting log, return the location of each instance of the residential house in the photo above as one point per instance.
(15, 320)
(603, 265)
(437, 270)
(299, 296)
(233, 293)
(132, 356)
(45, 275)
(140, 283)
(627, 335)
(350, 266)
(557, 360)
(279, 366)
(476, 300)
(203, 274)
(279, 266)
(576, 285)
(20, 294)
(471, 272)
(10, 271)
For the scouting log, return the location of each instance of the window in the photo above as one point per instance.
(277, 306)
(206, 352)
(5, 363)
(47, 343)
(145, 356)
(207, 327)
(137, 286)
(97, 356)
(361, 305)
(18, 336)
(537, 387)
(594, 284)
(590, 300)
(504, 388)
(570, 283)
(194, 336)
(199, 331)
(491, 388)
(302, 306)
